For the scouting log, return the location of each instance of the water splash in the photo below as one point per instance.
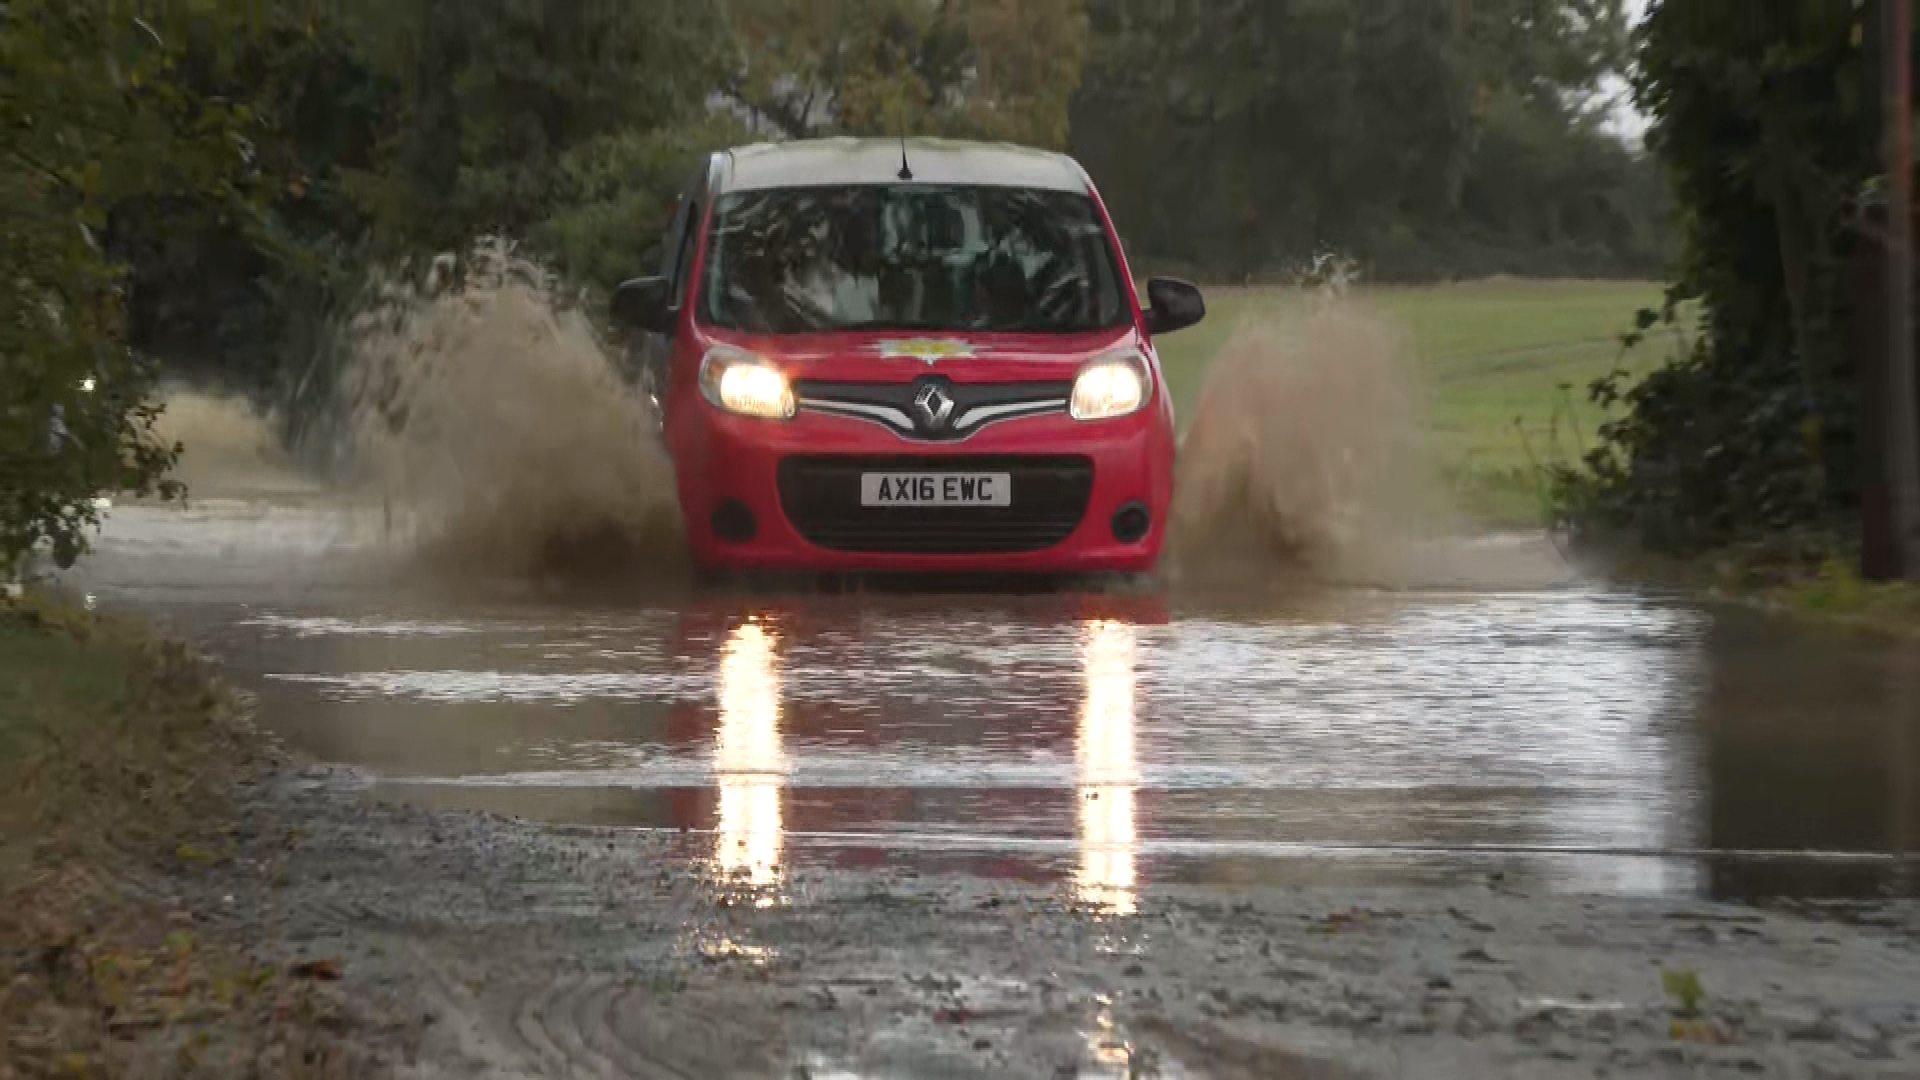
(1305, 455)
(484, 409)
(231, 448)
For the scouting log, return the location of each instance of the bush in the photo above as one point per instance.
(1762, 118)
(95, 117)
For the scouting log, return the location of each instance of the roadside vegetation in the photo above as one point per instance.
(1837, 591)
(1756, 456)
(118, 756)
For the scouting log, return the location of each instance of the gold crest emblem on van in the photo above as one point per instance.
(925, 350)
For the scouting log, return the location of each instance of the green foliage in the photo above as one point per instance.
(615, 195)
(401, 130)
(1431, 140)
(497, 102)
(221, 298)
(1836, 590)
(1761, 118)
(996, 69)
(197, 188)
(1683, 986)
(96, 115)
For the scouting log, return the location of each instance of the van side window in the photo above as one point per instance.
(683, 253)
(686, 223)
(670, 244)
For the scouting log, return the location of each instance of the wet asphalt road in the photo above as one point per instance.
(1565, 734)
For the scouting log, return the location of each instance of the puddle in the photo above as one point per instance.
(1580, 738)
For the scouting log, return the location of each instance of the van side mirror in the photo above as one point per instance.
(1172, 305)
(644, 303)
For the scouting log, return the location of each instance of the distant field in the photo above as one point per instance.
(1494, 356)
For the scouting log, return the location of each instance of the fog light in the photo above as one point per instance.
(1130, 522)
(733, 522)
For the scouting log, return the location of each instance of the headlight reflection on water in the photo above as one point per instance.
(1105, 770)
(750, 763)
(748, 759)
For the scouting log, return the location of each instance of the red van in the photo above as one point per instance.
(907, 355)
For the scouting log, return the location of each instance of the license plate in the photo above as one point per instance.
(936, 489)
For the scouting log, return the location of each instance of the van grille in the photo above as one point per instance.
(820, 495)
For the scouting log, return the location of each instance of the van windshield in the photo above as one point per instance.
(909, 257)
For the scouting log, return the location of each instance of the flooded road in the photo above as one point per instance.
(1561, 734)
(1472, 813)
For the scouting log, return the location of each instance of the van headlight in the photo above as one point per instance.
(745, 383)
(1112, 385)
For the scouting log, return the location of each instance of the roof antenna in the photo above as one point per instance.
(906, 172)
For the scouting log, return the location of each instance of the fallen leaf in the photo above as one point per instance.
(1700, 1031)
(1336, 922)
(326, 970)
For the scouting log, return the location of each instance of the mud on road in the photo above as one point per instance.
(480, 946)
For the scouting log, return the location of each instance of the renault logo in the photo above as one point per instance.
(932, 407)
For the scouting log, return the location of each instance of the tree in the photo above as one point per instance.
(1023, 65)
(218, 297)
(614, 195)
(1763, 124)
(497, 102)
(1279, 128)
(401, 129)
(1001, 69)
(94, 116)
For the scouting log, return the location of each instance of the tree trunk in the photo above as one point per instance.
(1902, 389)
(1792, 228)
(1866, 284)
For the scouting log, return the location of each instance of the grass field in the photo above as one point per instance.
(1505, 366)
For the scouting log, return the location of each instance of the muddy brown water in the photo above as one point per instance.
(1565, 734)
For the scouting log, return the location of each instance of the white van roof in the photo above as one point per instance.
(849, 161)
